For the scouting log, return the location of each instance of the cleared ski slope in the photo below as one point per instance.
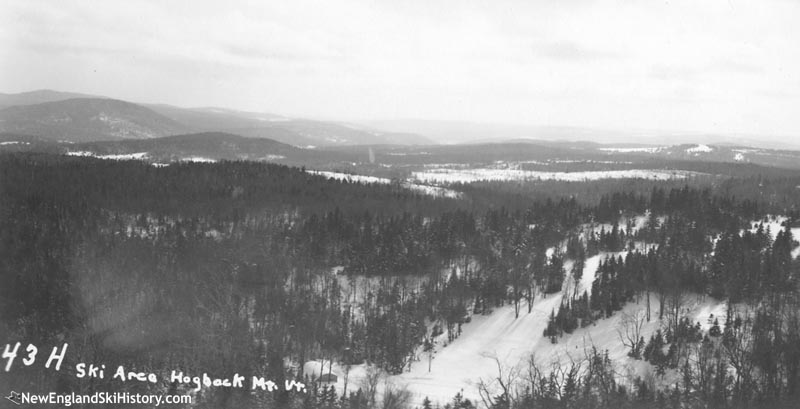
(461, 365)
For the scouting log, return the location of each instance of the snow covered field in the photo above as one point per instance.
(425, 189)
(198, 159)
(699, 149)
(349, 177)
(80, 153)
(140, 156)
(446, 175)
(127, 156)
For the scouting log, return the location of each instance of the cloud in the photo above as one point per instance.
(681, 63)
(664, 72)
(571, 52)
(737, 67)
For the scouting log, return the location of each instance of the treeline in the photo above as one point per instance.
(227, 267)
(748, 358)
(745, 266)
(222, 191)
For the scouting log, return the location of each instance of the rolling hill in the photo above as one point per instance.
(293, 131)
(76, 117)
(87, 119)
(208, 146)
(198, 147)
(781, 158)
(38, 97)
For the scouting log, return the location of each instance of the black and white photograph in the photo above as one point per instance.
(420, 204)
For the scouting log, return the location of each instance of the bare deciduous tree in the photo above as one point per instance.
(629, 330)
(369, 384)
(501, 386)
(395, 397)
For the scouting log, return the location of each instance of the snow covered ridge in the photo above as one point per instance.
(349, 177)
(442, 175)
(126, 156)
(14, 143)
(142, 156)
(425, 189)
(198, 159)
(129, 156)
(700, 149)
(80, 153)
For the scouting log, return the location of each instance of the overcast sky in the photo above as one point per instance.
(695, 65)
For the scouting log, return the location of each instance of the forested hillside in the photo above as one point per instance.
(257, 268)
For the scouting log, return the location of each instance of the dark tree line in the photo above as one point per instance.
(227, 267)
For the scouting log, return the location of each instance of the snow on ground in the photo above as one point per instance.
(198, 159)
(468, 358)
(703, 312)
(139, 156)
(596, 228)
(774, 223)
(434, 191)
(499, 336)
(640, 221)
(14, 143)
(699, 148)
(355, 288)
(126, 156)
(631, 150)
(471, 356)
(590, 268)
(80, 153)
(123, 156)
(512, 341)
(350, 178)
(319, 367)
(445, 175)
(738, 157)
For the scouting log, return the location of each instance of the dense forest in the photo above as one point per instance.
(255, 268)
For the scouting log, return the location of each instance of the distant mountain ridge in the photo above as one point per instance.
(192, 147)
(88, 119)
(38, 97)
(459, 132)
(203, 146)
(81, 118)
(783, 158)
